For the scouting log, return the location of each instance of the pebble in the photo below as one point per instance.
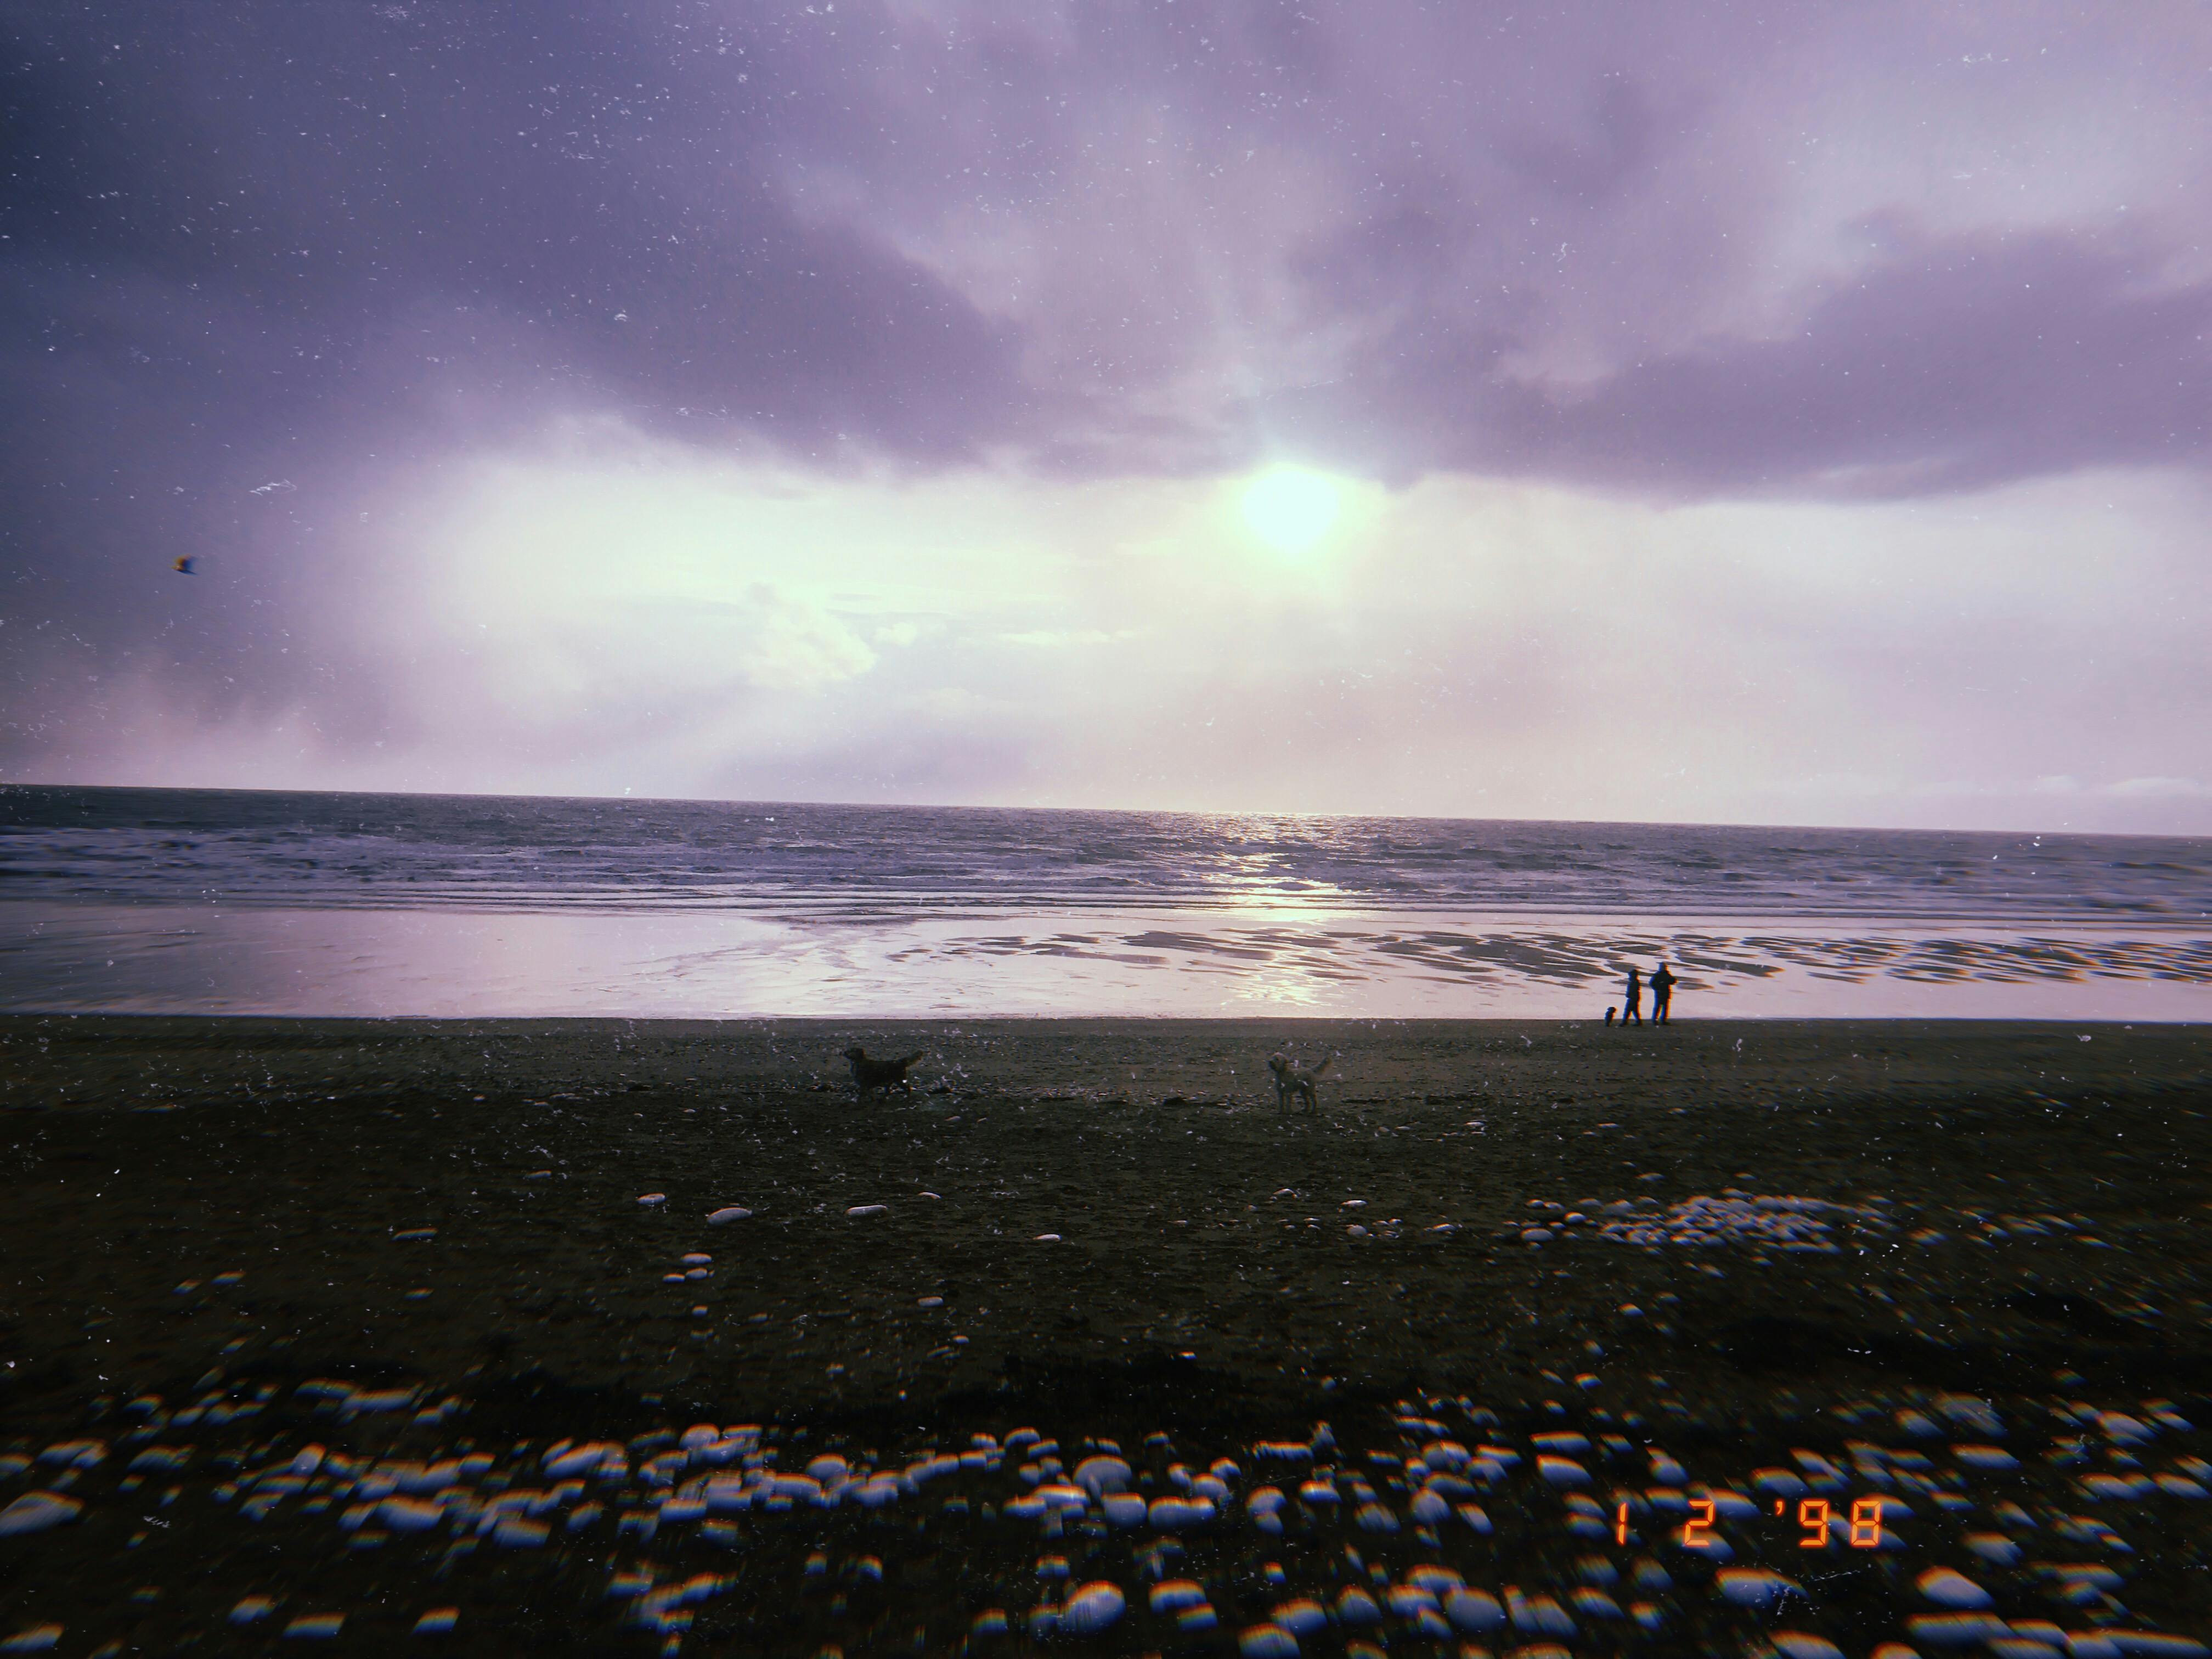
(1959, 1630)
(869, 1209)
(1990, 1458)
(1046, 1238)
(1947, 1588)
(697, 1259)
(410, 1514)
(1994, 1548)
(1800, 1644)
(39, 1639)
(1172, 1514)
(1473, 1612)
(1375, 1517)
(1177, 1596)
(653, 1198)
(252, 1608)
(1356, 1610)
(1755, 1587)
(438, 1621)
(723, 1217)
(1268, 1642)
(1537, 1615)
(315, 1626)
(1100, 1475)
(931, 1302)
(35, 1511)
(1092, 1608)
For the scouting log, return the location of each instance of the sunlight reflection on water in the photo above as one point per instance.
(174, 959)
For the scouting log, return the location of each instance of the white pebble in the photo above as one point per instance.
(869, 1209)
(723, 1217)
(1092, 1608)
(653, 1198)
(1100, 1475)
(1800, 1644)
(1177, 1596)
(35, 1511)
(1167, 1514)
(1302, 1617)
(1754, 1587)
(1472, 1613)
(1949, 1589)
(1562, 1472)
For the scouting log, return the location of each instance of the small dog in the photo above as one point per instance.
(879, 1074)
(1294, 1081)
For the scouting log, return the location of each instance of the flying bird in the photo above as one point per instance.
(183, 566)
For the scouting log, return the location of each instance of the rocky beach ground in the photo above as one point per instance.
(387, 1321)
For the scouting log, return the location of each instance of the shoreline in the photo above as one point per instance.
(1217, 962)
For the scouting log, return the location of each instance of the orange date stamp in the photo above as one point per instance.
(1816, 1521)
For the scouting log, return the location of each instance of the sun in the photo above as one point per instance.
(1290, 508)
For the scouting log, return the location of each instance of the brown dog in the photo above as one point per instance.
(1296, 1082)
(879, 1074)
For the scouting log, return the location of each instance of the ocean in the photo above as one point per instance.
(279, 903)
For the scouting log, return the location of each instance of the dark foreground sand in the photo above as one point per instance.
(1207, 1281)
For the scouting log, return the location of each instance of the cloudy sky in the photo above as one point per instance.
(1762, 413)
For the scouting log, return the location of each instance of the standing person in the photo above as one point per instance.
(1633, 1011)
(1662, 992)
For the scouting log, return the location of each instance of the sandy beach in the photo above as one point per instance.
(1105, 1229)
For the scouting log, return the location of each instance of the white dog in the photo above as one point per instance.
(1294, 1081)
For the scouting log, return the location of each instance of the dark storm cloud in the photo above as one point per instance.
(282, 249)
(1947, 364)
(267, 268)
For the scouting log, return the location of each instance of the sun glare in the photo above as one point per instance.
(1291, 509)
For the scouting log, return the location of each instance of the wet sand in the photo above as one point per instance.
(451, 1212)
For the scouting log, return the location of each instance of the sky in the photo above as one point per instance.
(1763, 413)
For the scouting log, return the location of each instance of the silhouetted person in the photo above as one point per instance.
(1632, 1011)
(1662, 992)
